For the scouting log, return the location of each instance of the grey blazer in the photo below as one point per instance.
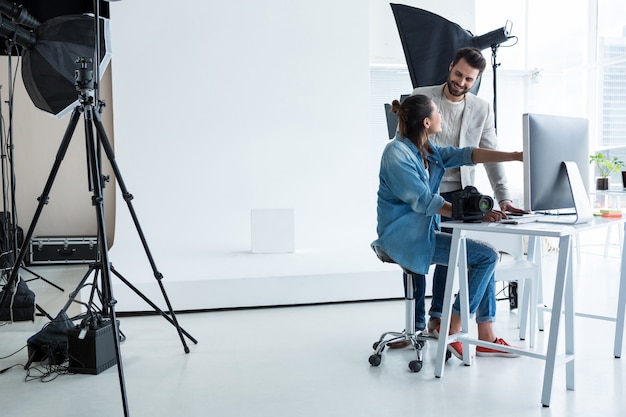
(478, 130)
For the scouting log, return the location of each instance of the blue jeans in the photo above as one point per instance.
(481, 262)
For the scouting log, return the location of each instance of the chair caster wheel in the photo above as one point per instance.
(375, 360)
(415, 366)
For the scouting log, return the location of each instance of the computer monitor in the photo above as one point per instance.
(548, 142)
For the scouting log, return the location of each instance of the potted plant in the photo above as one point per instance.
(606, 167)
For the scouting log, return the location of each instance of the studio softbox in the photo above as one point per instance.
(429, 42)
(48, 67)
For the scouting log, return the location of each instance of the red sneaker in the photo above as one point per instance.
(456, 348)
(485, 351)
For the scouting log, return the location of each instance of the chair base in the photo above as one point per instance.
(416, 341)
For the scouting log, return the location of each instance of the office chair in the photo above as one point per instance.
(409, 334)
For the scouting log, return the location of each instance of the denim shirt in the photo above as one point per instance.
(408, 200)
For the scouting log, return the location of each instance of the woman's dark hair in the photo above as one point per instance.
(472, 56)
(411, 114)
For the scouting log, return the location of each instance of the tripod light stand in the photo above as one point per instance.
(85, 88)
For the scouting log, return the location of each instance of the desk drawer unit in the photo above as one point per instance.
(62, 250)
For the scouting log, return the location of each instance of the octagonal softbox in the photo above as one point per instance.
(48, 67)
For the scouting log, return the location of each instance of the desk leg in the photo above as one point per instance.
(557, 307)
(442, 344)
(621, 305)
(530, 297)
(539, 261)
(464, 299)
(570, 312)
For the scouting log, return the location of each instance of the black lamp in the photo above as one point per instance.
(18, 14)
(491, 39)
(49, 53)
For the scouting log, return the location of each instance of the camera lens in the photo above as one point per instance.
(485, 203)
(482, 203)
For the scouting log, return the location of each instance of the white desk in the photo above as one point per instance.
(563, 296)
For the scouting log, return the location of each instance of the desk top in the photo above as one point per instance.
(536, 228)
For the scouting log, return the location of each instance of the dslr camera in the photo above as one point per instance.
(469, 205)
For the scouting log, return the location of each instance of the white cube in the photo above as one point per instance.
(272, 230)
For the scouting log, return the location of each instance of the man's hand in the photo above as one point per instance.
(507, 206)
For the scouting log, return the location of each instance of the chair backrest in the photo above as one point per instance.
(503, 242)
(392, 119)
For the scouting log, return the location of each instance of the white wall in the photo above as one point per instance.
(221, 108)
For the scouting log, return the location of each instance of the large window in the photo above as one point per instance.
(611, 81)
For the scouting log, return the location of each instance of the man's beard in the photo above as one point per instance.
(454, 91)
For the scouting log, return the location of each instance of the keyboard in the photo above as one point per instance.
(522, 218)
(540, 218)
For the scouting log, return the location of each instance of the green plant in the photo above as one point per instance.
(606, 166)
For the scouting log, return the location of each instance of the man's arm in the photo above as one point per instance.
(495, 171)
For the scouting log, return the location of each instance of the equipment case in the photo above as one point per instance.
(62, 250)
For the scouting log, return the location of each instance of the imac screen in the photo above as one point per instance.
(548, 141)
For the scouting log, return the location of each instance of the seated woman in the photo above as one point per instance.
(409, 206)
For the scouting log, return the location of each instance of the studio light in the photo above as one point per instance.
(17, 34)
(18, 14)
(492, 39)
(48, 67)
(430, 41)
(49, 53)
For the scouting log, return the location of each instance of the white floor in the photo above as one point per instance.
(313, 361)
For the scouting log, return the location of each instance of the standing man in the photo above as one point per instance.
(466, 121)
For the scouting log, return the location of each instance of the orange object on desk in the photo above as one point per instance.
(611, 213)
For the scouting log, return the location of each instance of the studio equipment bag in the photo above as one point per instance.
(20, 303)
(50, 344)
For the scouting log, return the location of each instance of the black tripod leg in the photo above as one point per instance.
(108, 307)
(37, 276)
(104, 141)
(43, 199)
(147, 300)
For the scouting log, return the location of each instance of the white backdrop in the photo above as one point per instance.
(222, 108)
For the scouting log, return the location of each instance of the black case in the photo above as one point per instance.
(94, 353)
(63, 250)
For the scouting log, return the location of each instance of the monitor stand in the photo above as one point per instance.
(584, 211)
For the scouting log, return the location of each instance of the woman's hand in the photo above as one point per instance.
(494, 216)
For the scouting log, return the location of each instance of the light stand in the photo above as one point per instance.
(493, 40)
(95, 142)
(10, 218)
(494, 67)
(21, 16)
(91, 112)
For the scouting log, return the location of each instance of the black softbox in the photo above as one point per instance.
(429, 42)
(49, 66)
